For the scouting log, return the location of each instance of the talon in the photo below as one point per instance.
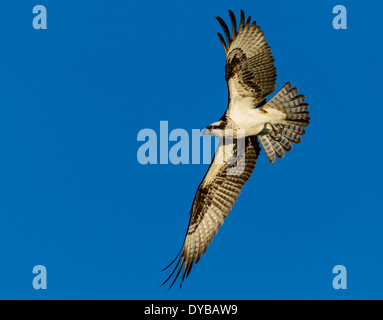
(276, 131)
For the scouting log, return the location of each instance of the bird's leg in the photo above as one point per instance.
(276, 131)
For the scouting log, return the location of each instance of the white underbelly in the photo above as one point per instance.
(253, 121)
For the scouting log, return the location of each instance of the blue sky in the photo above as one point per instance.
(74, 198)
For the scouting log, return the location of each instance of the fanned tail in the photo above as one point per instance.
(279, 139)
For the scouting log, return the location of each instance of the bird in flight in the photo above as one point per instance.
(250, 75)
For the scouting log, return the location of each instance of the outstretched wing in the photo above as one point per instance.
(212, 203)
(250, 70)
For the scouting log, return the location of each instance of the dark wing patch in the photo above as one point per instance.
(250, 70)
(234, 62)
(212, 203)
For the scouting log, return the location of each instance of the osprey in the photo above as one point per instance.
(250, 75)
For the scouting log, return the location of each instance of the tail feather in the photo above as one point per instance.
(272, 148)
(302, 108)
(286, 145)
(300, 122)
(268, 148)
(298, 116)
(290, 103)
(291, 136)
(279, 152)
(296, 129)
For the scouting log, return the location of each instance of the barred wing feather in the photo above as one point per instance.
(249, 70)
(213, 201)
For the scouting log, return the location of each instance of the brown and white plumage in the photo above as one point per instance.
(251, 77)
(213, 201)
(291, 105)
(250, 70)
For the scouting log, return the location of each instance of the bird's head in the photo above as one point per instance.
(216, 129)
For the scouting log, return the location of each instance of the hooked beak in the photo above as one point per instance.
(206, 131)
